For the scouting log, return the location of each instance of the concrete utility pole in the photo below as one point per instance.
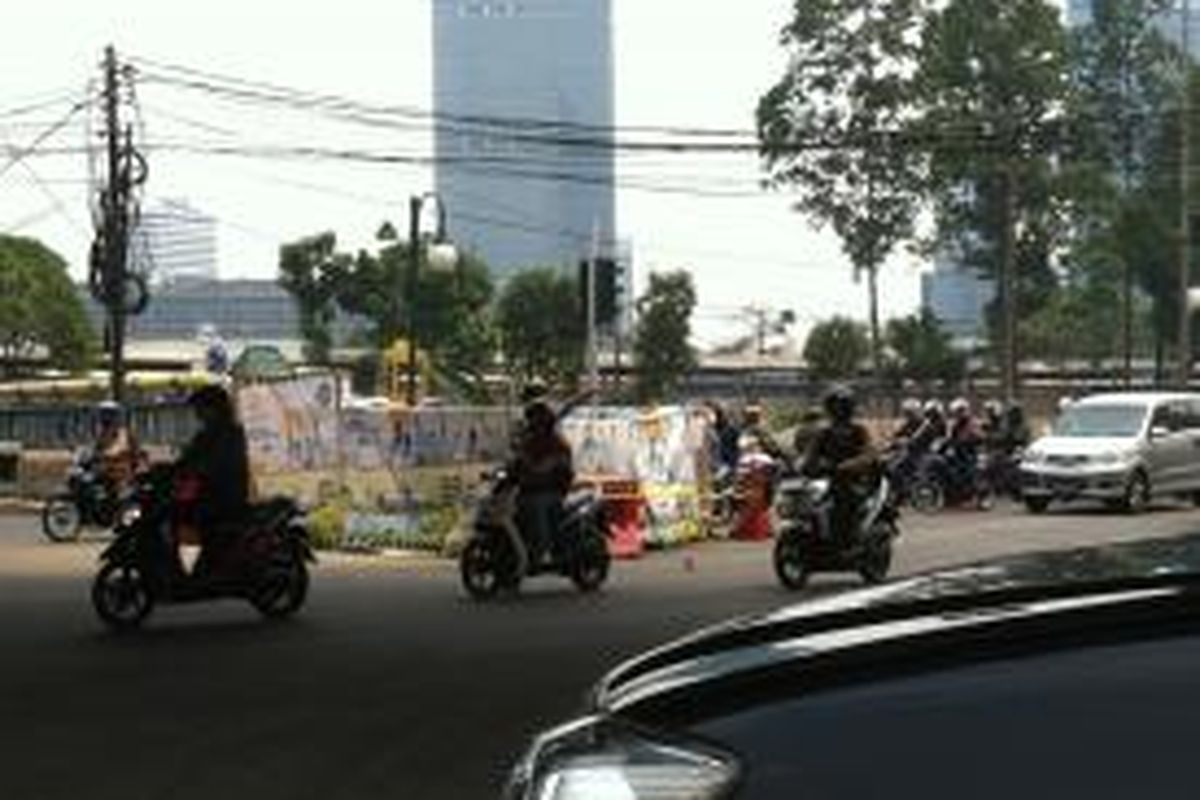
(113, 249)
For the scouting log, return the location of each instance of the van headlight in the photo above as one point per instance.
(1114, 458)
(1034, 457)
(595, 759)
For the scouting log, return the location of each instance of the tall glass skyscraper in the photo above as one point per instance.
(523, 99)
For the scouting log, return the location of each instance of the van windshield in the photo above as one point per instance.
(1101, 420)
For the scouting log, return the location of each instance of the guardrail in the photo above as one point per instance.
(67, 427)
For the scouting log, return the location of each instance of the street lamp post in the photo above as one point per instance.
(416, 251)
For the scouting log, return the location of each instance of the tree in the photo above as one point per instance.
(308, 270)
(836, 348)
(39, 308)
(990, 85)
(541, 327)
(825, 128)
(1121, 94)
(662, 353)
(923, 349)
(452, 309)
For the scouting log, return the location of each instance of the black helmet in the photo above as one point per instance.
(540, 416)
(214, 400)
(840, 404)
(533, 391)
(109, 412)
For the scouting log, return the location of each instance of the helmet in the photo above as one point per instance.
(960, 406)
(213, 400)
(534, 390)
(911, 407)
(1065, 402)
(840, 403)
(993, 408)
(109, 412)
(752, 415)
(933, 408)
(540, 416)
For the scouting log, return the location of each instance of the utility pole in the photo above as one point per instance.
(109, 276)
(414, 270)
(1185, 227)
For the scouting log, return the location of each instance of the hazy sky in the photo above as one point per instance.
(679, 62)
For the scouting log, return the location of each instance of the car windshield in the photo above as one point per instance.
(1101, 421)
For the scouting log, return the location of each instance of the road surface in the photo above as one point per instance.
(391, 684)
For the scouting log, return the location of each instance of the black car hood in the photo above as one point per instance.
(1018, 588)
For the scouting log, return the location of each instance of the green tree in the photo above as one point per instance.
(39, 308)
(308, 270)
(541, 326)
(827, 127)
(923, 349)
(836, 348)
(1122, 93)
(990, 85)
(662, 352)
(451, 309)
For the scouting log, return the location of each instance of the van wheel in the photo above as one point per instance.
(1037, 505)
(1196, 499)
(1137, 494)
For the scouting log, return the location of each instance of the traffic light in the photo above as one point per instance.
(607, 290)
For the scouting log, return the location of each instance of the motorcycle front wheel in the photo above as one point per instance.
(482, 567)
(876, 560)
(121, 596)
(791, 563)
(61, 519)
(926, 497)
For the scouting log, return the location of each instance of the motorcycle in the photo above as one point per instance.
(806, 542)
(497, 556)
(935, 487)
(88, 501)
(141, 568)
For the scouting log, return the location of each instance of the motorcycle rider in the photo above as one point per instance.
(544, 474)
(216, 465)
(903, 456)
(910, 421)
(115, 452)
(962, 446)
(844, 453)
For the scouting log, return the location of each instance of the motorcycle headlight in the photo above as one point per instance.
(595, 759)
(130, 515)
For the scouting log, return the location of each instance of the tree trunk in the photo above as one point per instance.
(876, 343)
(1006, 284)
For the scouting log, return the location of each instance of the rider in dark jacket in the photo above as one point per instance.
(217, 459)
(544, 472)
(844, 453)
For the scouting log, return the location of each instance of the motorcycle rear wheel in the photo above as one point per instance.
(283, 594)
(876, 560)
(121, 596)
(61, 519)
(590, 570)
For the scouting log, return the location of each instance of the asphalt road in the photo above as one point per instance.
(391, 684)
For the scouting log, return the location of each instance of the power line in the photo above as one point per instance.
(32, 147)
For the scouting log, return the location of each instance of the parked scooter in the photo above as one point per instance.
(498, 555)
(807, 544)
(267, 566)
(87, 502)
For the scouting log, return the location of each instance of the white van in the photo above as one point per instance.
(1121, 448)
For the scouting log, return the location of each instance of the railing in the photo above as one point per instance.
(66, 427)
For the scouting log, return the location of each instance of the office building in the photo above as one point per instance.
(959, 298)
(174, 243)
(523, 97)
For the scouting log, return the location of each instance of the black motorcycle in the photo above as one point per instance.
(806, 542)
(498, 557)
(939, 484)
(267, 565)
(88, 502)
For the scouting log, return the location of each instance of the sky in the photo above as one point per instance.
(678, 63)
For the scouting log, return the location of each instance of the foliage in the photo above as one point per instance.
(451, 309)
(825, 128)
(662, 353)
(327, 526)
(39, 308)
(307, 270)
(923, 349)
(836, 348)
(541, 327)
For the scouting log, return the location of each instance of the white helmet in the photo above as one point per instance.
(960, 406)
(911, 407)
(1065, 402)
(934, 407)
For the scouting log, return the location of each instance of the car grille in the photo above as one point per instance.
(1066, 461)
